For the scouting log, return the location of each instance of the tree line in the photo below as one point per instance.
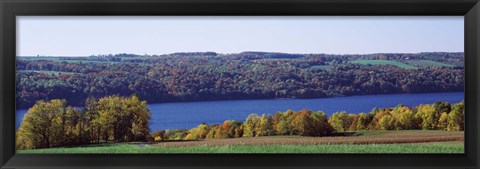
(436, 116)
(248, 75)
(126, 119)
(54, 124)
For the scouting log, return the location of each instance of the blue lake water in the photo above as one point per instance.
(190, 114)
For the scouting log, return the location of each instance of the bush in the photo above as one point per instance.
(158, 135)
(212, 132)
(200, 132)
(176, 134)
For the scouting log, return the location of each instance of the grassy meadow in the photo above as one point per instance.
(421, 63)
(357, 142)
(383, 62)
(126, 148)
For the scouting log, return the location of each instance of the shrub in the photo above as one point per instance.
(158, 135)
(176, 134)
(200, 132)
(386, 122)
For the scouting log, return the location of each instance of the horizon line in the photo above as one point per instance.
(238, 53)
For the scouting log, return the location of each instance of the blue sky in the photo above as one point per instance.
(83, 36)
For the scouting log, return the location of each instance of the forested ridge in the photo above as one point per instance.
(202, 76)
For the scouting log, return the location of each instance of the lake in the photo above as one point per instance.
(186, 115)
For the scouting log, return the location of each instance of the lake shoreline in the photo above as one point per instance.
(185, 115)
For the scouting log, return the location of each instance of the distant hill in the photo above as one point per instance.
(198, 76)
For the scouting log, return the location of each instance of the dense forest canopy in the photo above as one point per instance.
(199, 76)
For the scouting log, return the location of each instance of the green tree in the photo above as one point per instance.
(428, 115)
(141, 118)
(406, 121)
(386, 122)
(283, 126)
(456, 117)
(122, 119)
(266, 128)
(443, 121)
(339, 121)
(320, 124)
(41, 127)
(251, 124)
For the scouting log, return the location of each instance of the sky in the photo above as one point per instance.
(155, 35)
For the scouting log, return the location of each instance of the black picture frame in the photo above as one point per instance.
(9, 9)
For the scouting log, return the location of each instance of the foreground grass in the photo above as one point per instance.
(440, 147)
(408, 141)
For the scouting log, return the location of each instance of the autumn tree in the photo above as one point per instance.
(386, 122)
(122, 119)
(265, 128)
(88, 122)
(320, 124)
(456, 117)
(199, 132)
(250, 126)
(428, 115)
(176, 134)
(406, 120)
(212, 132)
(443, 121)
(44, 125)
(302, 123)
(283, 126)
(339, 121)
(363, 121)
(352, 122)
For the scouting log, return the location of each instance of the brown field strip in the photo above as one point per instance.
(370, 138)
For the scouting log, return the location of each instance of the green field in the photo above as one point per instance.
(441, 147)
(414, 141)
(422, 63)
(383, 62)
